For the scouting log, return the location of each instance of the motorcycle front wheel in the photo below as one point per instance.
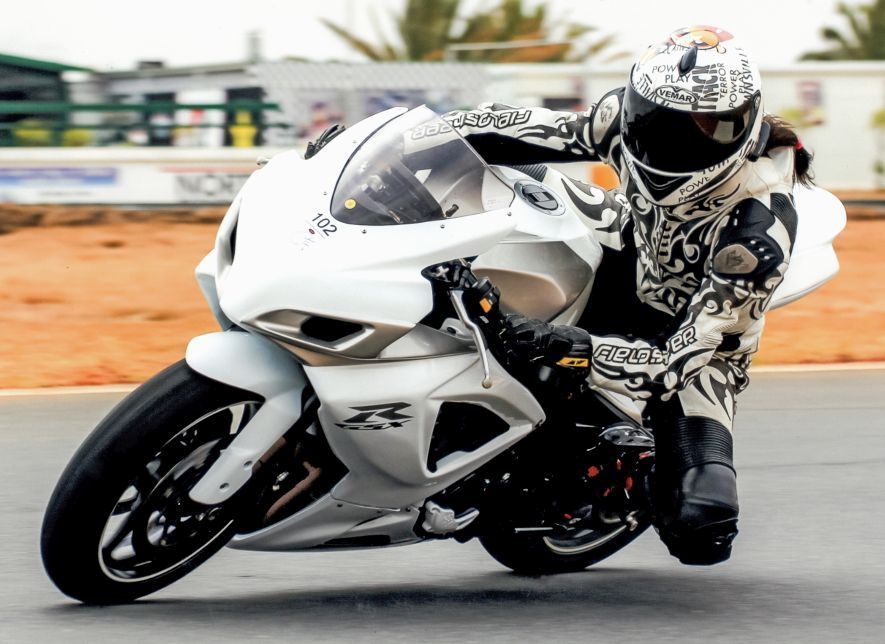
(120, 523)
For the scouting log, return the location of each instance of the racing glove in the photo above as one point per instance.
(534, 341)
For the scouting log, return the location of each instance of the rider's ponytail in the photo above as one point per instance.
(782, 134)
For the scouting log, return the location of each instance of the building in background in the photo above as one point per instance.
(313, 96)
(187, 112)
(218, 105)
(26, 85)
(308, 98)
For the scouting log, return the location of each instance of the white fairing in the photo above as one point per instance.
(545, 268)
(293, 260)
(205, 274)
(292, 256)
(394, 470)
(821, 217)
(389, 473)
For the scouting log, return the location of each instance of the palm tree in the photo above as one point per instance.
(426, 29)
(865, 38)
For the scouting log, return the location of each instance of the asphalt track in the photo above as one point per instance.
(809, 563)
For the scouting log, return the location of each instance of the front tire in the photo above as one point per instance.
(120, 524)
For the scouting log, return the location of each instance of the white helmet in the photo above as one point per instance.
(692, 115)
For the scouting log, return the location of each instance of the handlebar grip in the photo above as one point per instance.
(483, 301)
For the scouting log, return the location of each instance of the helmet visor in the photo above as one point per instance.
(679, 141)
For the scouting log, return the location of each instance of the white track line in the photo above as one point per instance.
(68, 391)
(125, 389)
(812, 368)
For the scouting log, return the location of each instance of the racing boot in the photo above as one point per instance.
(696, 491)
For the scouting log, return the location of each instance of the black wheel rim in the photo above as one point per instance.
(154, 527)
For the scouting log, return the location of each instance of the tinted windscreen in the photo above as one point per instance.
(680, 141)
(415, 169)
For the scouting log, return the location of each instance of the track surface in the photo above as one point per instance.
(809, 563)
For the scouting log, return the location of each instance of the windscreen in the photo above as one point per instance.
(415, 169)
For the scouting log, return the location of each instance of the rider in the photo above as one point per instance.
(694, 243)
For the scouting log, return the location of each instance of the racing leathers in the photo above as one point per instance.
(678, 304)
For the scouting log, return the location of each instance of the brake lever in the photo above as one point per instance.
(457, 298)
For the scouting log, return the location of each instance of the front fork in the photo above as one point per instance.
(256, 365)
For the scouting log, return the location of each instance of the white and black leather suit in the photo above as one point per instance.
(678, 304)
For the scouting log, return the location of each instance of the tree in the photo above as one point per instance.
(865, 38)
(426, 29)
(878, 123)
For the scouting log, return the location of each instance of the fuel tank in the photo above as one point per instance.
(543, 280)
(545, 267)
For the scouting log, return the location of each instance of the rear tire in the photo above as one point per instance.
(531, 553)
(119, 524)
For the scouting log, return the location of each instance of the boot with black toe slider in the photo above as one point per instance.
(696, 490)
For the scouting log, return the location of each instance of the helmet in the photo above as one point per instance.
(692, 115)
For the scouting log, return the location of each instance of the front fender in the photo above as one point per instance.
(254, 364)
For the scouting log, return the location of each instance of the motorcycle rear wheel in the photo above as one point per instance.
(120, 524)
(534, 553)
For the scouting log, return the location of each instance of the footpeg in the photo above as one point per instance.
(442, 520)
(628, 435)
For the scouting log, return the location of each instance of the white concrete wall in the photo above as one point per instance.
(845, 144)
(163, 176)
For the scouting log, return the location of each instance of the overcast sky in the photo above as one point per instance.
(108, 34)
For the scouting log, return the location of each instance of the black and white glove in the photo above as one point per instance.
(534, 341)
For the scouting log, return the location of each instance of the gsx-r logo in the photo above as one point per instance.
(383, 416)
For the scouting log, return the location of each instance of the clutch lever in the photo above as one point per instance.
(457, 298)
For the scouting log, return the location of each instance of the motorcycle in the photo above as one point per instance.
(359, 394)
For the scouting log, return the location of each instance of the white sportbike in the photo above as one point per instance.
(357, 395)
